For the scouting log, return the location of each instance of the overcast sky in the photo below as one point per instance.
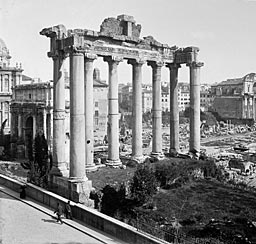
(224, 30)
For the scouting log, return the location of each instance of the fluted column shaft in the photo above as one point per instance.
(77, 118)
(174, 109)
(156, 108)
(89, 111)
(136, 108)
(113, 113)
(194, 143)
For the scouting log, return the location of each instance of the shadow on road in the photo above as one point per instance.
(50, 221)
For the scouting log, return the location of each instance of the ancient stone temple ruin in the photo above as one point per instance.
(117, 41)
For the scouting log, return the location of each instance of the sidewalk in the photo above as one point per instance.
(99, 236)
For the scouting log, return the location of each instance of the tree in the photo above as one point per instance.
(113, 199)
(40, 164)
(143, 184)
(41, 153)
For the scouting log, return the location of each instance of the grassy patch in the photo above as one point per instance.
(106, 175)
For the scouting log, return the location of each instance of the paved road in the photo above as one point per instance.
(22, 223)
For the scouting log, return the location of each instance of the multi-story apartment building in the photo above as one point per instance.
(235, 98)
(206, 97)
(125, 97)
(206, 100)
(183, 95)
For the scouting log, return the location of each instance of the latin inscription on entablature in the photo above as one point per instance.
(28, 110)
(130, 53)
(102, 48)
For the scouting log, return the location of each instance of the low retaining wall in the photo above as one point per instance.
(87, 215)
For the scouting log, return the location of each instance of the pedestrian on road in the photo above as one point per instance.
(68, 211)
(23, 192)
(59, 212)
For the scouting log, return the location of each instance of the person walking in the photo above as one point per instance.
(68, 211)
(59, 212)
(23, 192)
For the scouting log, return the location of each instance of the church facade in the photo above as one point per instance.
(9, 77)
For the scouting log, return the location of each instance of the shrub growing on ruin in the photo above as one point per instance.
(113, 199)
(143, 184)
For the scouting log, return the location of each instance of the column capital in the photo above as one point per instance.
(58, 55)
(137, 61)
(113, 59)
(156, 64)
(195, 64)
(173, 66)
(76, 53)
(90, 56)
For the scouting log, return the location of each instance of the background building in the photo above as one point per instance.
(206, 97)
(183, 95)
(9, 77)
(235, 99)
(32, 112)
(125, 97)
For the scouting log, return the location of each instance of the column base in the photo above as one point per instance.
(79, 191)
(91, 168)
(75, 189)
(113, 163)
(139, 159)
(156, 155)
(194, 154)
(173, 152)
(61, 170)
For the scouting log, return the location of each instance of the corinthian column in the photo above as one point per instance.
(137, 108)
(77, 118)
(157, 108)
(59, 165)
(113, 113)
(89, 112)
(194, 143)
(20, 126)
(174, 109)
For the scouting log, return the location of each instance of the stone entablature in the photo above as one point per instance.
(119, 38)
